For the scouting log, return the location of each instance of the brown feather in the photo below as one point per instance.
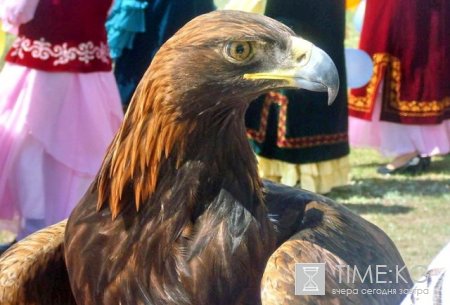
(33, 271)
(135, 156)
(335, 236)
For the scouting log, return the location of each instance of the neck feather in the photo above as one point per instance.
(154, 135)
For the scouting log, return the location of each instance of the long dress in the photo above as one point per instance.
(298, 138)
(59, 109)
(138, 28)
(405, 107)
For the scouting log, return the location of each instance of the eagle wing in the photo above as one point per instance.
(33, 271)
(329, 233)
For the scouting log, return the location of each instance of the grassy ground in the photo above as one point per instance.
(413, 210)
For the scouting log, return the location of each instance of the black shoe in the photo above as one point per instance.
(426, 162)
(414, 166)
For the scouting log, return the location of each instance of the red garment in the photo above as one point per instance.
(62, 37)
(409, 41)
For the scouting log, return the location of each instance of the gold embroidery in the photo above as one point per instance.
(364, 103)
(388, 64)
(260, 135)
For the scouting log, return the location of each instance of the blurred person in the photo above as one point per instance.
(59, 107)
(138, 28)
(311, 152)
(404, 110)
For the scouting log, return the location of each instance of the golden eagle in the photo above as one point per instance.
(178, 213)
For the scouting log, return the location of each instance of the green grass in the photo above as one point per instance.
(9, 41)
(351, 35)
(413, 210)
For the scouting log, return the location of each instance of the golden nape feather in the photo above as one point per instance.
(178, 214)
(122, 163)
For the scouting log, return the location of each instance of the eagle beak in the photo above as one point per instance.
(310, 68)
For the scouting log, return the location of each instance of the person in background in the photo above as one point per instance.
(59, 107)
(404, 110)
(138, 28)
(311, 152)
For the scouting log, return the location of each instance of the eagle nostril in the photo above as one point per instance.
(301, 58)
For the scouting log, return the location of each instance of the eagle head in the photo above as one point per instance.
(236, 56)
(197, 89)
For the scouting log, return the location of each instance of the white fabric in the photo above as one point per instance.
(434, 288)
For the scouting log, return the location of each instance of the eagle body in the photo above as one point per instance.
(176, 250)
(202, 228)
(178, 213)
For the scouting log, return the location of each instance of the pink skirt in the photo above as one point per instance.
(54, 131)
(393, 139)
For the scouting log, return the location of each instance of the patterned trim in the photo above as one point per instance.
(61, 54)
(282, 140)
(260, 134)
(365, 103)
(388, 64)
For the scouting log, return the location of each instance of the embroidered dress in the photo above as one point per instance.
(406, 105)
(59, 108)
(298, 138)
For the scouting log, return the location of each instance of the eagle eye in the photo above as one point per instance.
(239, 51)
